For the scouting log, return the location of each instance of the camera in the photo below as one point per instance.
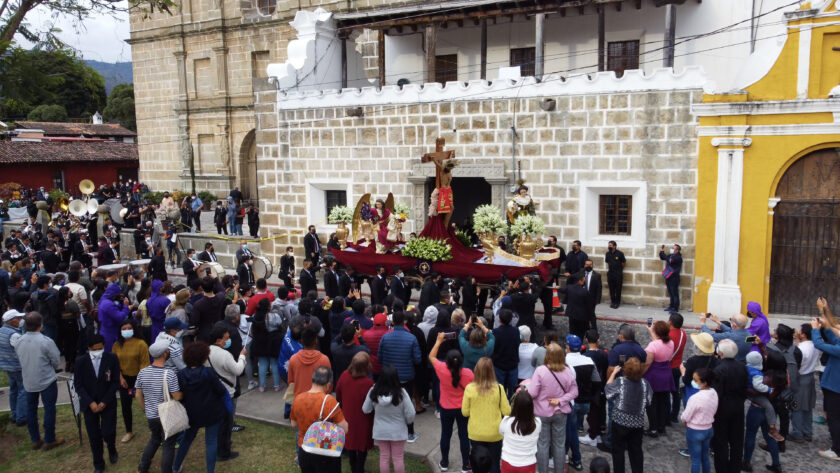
(622, 359)
(449, 335)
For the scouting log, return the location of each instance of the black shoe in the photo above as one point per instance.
(781, 445)
(99, 470)
(113, 457)
(651, 433)
(781, 448)
(746, 467)
(774, 468)
(604, 447)
(229, 457)
(21, 423)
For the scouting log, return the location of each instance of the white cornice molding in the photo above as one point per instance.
(774, 107)
(731, 141)
(772, 130)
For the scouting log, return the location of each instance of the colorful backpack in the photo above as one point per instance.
(323, 437)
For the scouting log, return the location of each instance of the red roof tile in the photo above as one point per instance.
(15, 152)
(76, 129)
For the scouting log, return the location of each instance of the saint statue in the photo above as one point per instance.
(381, 217)
(442, 198)
(521, 204)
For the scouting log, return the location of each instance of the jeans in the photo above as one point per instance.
(391, 450)
(211, 439)
(610, 407)
(447, 418)
(509, 379)
(152, 446)
(238, 228)
(495, 451)
(48, 397)
(17, 397)
(802, 424)
(629, 439)
(831, 404)
(125, 402)
(698, 442)
(232, 227)
(225, 431)
(573, 421)
(552, 438)
(673, 286)
(262, 368)
(755, 419)
(173, 248)
(675, 397)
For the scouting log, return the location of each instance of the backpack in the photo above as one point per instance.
(323, 437)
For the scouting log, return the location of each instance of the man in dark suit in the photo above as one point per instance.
(348, 282)
(243, 251)
(97, 379)
(378, 286)
(287, 267)
(430, 293)
(209, 254)
(577, 309)
(157, 265)
(307, 278)
(49, 258)
(576, 259)
(331, 279)
(594, 287)
(524, 304)
(399, 289)
(615, 261)
(246, 275)
(312, 246)
(189, 266)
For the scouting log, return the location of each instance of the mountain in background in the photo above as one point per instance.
(113, 72)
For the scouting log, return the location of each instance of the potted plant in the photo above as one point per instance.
(524, 228)
(341, 215)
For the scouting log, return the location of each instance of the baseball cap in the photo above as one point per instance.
(380, 319)
(11, 314)
(158, 348)
(173, 323)
(573, 342)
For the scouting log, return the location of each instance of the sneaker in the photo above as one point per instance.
(443, 466)
(604, 447)
(684, 452)
(774, 468)
(237, 428)
(262, 389)
(127, 437)
(437, 413)
(588, 441)
(252, 385)
(229, 457)
(774, 432)
(651, 433)
(550, 463)
(576, 465)
(466, 469)
(820, 420)
(413, 437)
(829, 454)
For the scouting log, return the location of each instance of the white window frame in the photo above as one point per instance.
(590, 192)
(316, 201)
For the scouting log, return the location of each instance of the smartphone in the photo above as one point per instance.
(650, 321)
(449, 336)
(355, 324)
(621, 359)
(474, 319)
(751, 339)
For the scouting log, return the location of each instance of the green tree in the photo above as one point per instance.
(120, 107)
(55, 76)
(48, 113)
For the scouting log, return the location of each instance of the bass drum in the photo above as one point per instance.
(262, 267)
(216, 270)
(118, 267)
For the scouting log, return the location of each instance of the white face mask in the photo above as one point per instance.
(96, 353)
(672, 251)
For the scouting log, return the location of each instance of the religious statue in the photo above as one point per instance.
(442, 198)
(521, 204)
(381, 216)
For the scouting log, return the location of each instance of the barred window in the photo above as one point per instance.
(446, 68)
(334, 199)
(266, 7)
(615, 214)
(525, 59)
(622, 56)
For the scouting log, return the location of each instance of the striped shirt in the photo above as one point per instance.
(150, 380)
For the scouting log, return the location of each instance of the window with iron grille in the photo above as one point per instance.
(266, 6)
(524, 58)
(622, 56)
(335, 198)
(615, 214)
(446, 68)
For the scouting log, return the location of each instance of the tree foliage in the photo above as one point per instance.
(48, 113)
(48, 77)
(120, 107)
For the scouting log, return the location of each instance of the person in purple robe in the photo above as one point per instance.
(759, 325)
(156, 306)
(112, 313)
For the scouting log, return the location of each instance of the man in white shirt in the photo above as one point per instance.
(802, 428)
(229, 371)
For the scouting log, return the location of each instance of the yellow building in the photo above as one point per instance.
(768, 199)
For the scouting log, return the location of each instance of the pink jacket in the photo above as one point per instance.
(699, 413)
(544, 386)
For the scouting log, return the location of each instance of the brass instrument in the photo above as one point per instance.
(63, 203)
(86, 186)
(78, 208)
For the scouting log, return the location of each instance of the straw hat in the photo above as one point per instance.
(704, 342)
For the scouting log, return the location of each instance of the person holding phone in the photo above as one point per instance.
(628, 348)
(454, 379)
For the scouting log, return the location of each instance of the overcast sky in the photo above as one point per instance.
(100, 37)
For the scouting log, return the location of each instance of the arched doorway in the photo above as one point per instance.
(248, 167)
(806, 234)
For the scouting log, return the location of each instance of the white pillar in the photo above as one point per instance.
(724, 297)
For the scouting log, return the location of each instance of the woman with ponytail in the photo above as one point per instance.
(454, 378)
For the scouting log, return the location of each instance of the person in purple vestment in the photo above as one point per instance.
(113, 310)
(156, 305)
(759, 325)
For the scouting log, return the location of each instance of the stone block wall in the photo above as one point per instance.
(639, 136)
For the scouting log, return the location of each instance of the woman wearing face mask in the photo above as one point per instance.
(133, 354)
(698, 417)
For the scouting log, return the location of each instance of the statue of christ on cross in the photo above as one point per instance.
(444, 162)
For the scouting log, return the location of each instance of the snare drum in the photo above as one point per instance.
(140, 263)
(216, 270)
(262, 267)
(118, 267)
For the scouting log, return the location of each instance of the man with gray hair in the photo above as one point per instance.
(730, 381)
(737, 332)
(306, 410)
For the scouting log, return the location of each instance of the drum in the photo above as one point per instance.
(216, 270)
(118, 267)
(140, 263)
(262, 267)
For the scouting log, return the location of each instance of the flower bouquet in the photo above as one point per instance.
(341, 214)
(488, 219)
(402, 211)
(527, 225)
(428, 249)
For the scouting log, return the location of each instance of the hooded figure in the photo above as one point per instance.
(429, 320)
(156, 306)
(112, 313)
(759, 325)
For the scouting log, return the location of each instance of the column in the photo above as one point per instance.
(380, 50)
(180, 57)
(724, 298)
(484, 49)
(221, 70)
(670, 34)
(431, 45)
(539, 45)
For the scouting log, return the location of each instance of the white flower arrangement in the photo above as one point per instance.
(427, 249)
(340, 213)
(401, 209)
(489, 219)
(527, 225)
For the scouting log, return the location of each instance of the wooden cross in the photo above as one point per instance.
(438, 157)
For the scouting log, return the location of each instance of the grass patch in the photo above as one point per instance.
(262, 448)
(4, 379)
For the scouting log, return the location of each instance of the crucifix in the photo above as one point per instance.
(444, 162)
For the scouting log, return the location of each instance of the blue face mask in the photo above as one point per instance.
(695, 385)
(227, 344)
(127, 333)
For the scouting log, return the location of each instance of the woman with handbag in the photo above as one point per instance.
(207, 403)
(485, 404)
(318, 418)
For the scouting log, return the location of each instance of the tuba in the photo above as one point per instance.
(86, 186)
(78, 208)
(63, 203)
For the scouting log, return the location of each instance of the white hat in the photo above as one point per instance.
(12, 314)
